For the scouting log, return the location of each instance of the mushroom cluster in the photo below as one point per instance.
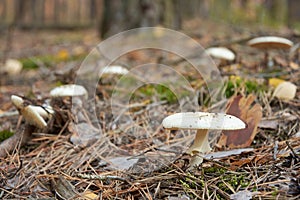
(33, 115)
(36, 116)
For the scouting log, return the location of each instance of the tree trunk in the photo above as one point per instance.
(119, 15)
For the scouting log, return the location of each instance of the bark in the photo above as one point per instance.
(18, 139)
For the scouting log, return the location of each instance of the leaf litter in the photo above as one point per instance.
(60, 162)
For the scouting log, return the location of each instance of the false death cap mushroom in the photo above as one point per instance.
(115, 69)
(33, 115)
(70, 90)
(221, 53)
(270, 42)
(202, 122)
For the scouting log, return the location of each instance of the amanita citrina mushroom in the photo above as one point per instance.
(70, 90)
(115, 69)
(222, 53)
(33, 115)
(202, 122)
(270, 42)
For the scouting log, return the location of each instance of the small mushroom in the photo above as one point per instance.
(202, 122)
(33, 115)
(221, 53)
(70, 90)
(12, 67)
(270, 42)
(285, 90)
(114, 69)
(34, 118)
(111, 74)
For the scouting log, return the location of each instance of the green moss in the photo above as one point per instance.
(225, 178)
(214, 170)
(275, 192)
(162, 92)
(5, 134)
(248, 86)
(47, 60)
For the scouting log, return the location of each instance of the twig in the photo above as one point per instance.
(292, 150)
(9, 114)
(102, 177)
(275, 150)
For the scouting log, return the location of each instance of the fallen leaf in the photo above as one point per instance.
(83, 134)
(183, 197)
(242, 108)
(239, 163)
(281, 61)
(285, 90)
(89, 195)
(63, 188)
(275, 81)
(123, 163)
(294, 65)
(241, 195)
(63, 54)
(268, 124)
(222, 154)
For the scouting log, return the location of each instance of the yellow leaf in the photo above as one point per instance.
(235, 78)
(275, 81)
(88, 195)
(63, 54)
(294, 65)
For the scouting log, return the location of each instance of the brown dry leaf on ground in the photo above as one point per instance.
(241, 107)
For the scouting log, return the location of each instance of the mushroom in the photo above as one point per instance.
(270, 42)
(114, 69)
(202, 122)
(221, 53)
(34, 118)
(12, 67)
(33, 115)
(76, 92)
(69, 90)
(285, 91)
(111, 74)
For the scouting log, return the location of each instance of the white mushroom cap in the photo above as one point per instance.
(203, 120)
(12, 66)
(285, 90)
(17, 101)
(115, 69)
(270, 42)
(44, 112)
(70, 90)
(221, 52)
(32, 117)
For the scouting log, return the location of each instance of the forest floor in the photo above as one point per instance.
(124, 159)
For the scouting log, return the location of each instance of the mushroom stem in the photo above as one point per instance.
(201, 144)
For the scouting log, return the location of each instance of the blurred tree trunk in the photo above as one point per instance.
(293, 12)
(279, 11)
(119, 15)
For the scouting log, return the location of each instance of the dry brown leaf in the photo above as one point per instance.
(239, 163)
(294, 66)
(242, 108)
